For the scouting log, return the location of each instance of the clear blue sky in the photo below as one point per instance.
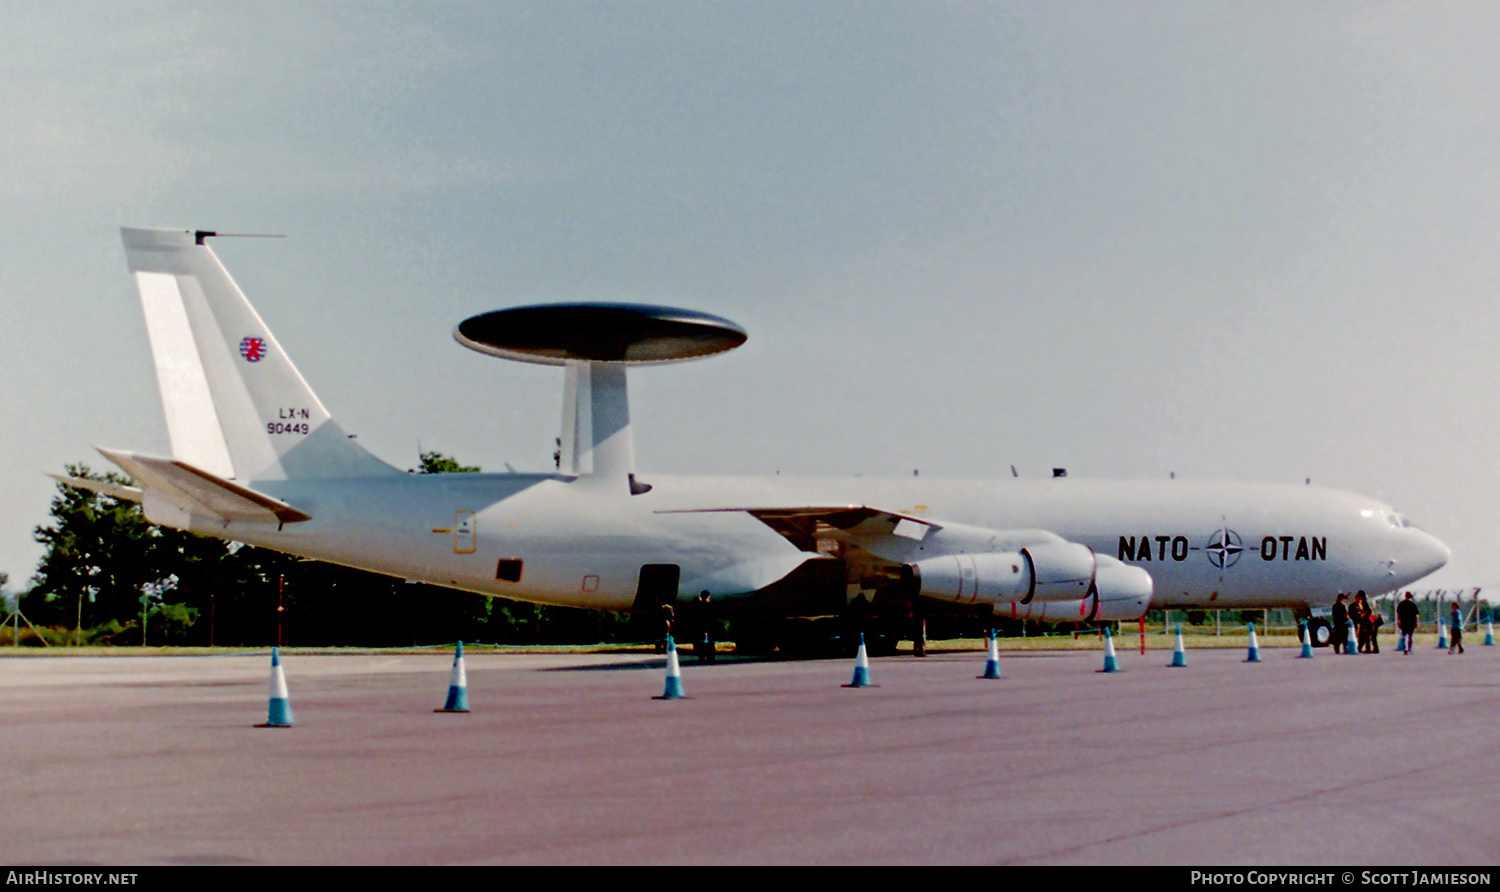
(1246, 240)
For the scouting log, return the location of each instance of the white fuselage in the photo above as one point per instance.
(1204, 544)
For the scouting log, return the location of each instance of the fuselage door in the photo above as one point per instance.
(463, 532)
(658, 584)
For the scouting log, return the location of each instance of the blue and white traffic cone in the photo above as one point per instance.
(1306, 638)
(992, 664)
(1442, 634)
(861, 666)
(1489, 633)
(1179, 653)
(458, 684)
(280, 713)
(1254, 654)
(673, 689)
(1110, 664)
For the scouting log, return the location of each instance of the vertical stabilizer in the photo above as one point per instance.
(235, 404)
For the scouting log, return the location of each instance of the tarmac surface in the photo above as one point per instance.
(568, 759)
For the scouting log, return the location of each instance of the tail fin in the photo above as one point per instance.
(236, 406)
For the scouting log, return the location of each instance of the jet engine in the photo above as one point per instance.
(1051, 571)
(1120, 590)
(1052, 582)
(1060, 571)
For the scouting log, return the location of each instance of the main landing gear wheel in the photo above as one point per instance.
(1320, 631)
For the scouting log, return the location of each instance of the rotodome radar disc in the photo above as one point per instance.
(631, 334)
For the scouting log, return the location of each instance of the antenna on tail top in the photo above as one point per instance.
(200, 234)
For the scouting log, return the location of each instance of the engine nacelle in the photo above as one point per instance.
(1060, 571)
(970, 578)
(1045, 573)
(1122, 591)
(1117, 591)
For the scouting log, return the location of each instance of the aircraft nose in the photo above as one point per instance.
(1425, 554)
(1436, 554)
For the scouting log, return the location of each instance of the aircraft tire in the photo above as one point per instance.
(1320, 631)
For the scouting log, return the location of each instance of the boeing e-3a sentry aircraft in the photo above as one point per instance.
(257, 458)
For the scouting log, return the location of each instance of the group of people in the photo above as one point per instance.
(1366, 622)
(1406, 621)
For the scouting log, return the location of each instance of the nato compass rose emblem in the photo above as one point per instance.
(1224, 548)
(253, 349)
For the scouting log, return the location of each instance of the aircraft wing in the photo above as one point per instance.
(197, 492)
(962, 563)
(858, 525)
(889, 537)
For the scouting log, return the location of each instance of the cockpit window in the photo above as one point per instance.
(1394, 518)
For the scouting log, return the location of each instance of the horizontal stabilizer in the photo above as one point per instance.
(198, 493)
(102, 487)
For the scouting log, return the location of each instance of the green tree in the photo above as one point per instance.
(438, 463)
(100, 553)
(224, 592)
(108, 569)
